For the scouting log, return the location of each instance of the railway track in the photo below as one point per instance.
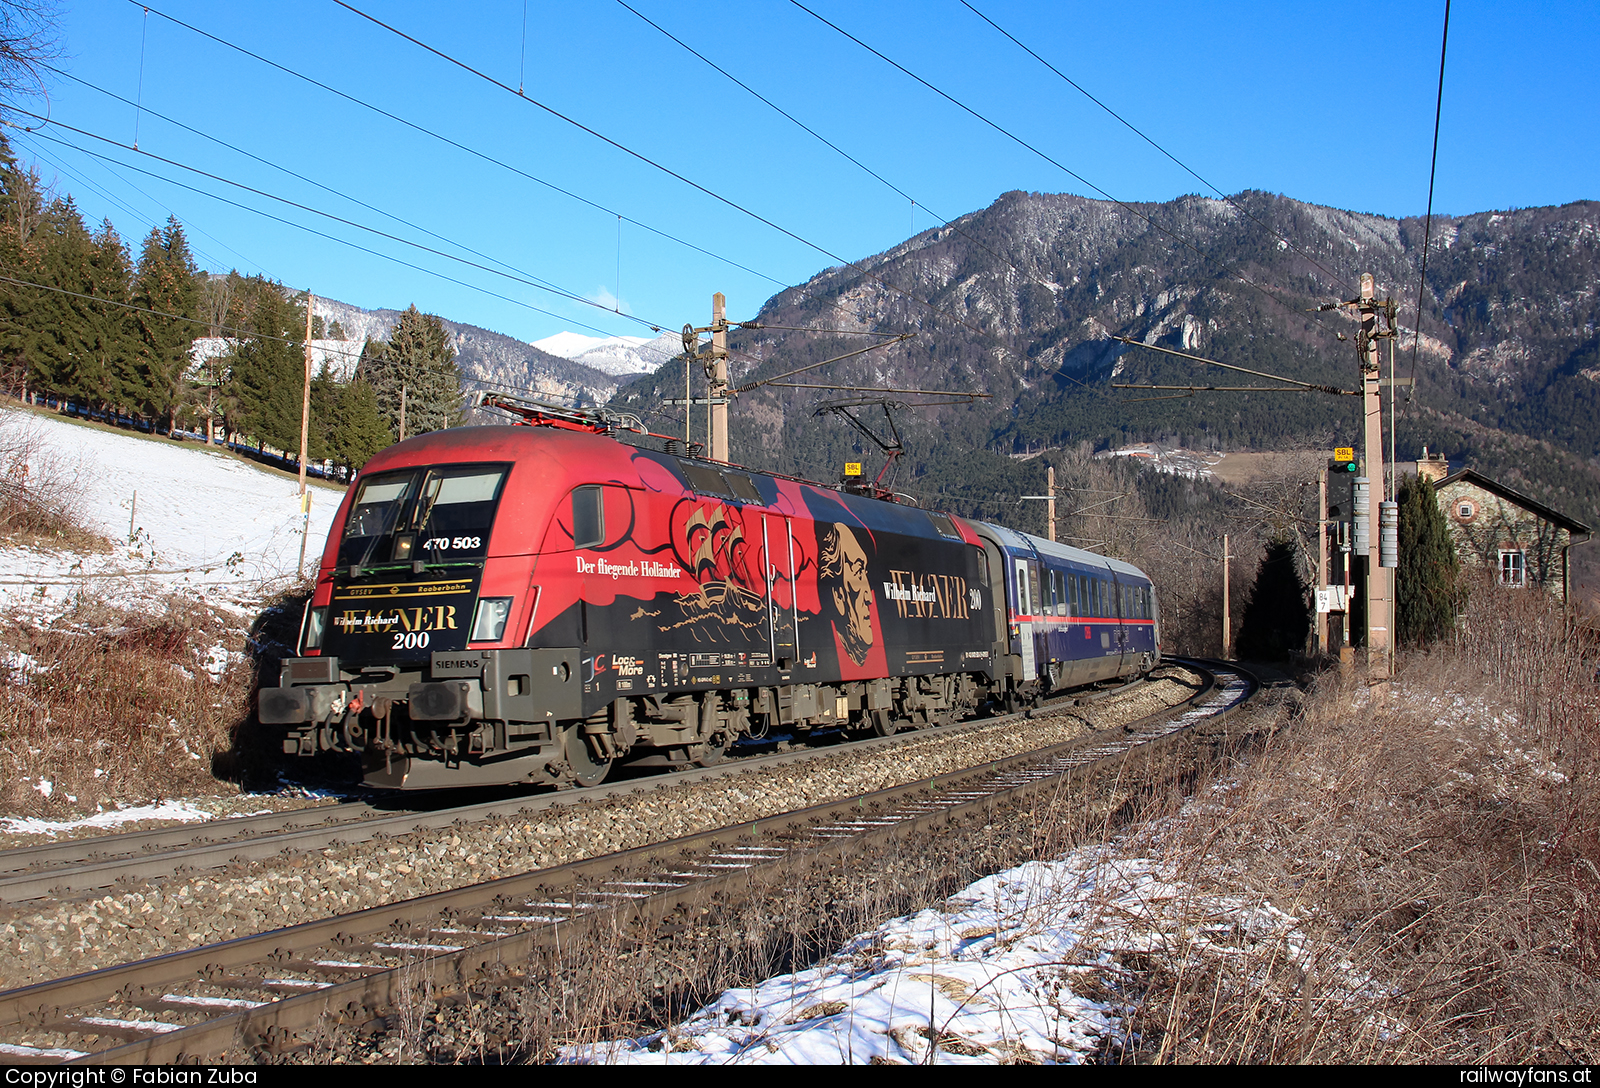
(264, 991)
(87, 865)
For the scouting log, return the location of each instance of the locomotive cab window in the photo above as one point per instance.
(435, 515)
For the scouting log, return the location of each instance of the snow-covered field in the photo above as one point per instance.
(203, 522)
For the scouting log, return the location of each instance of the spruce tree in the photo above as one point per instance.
(77, 347)
(1276, 619)
(267, 368)
(166, 281)
(360, 430)
(418, 361)
(22, 253)
(1428, 588)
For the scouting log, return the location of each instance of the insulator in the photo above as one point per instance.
(1363, 515)
(1388, 534)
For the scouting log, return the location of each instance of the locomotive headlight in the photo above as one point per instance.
(489, 625)
(402, 547)
(311, 630)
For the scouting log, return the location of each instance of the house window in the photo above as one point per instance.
(1466, 509)
(1513, 574)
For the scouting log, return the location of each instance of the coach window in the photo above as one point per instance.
(588, 518)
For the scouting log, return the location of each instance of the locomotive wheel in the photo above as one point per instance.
(586, 770)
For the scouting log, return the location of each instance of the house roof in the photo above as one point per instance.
(1471, 476)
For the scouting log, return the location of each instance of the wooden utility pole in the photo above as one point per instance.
(717, 378)
(305, 401)
(1227, 630)
(1050, 502)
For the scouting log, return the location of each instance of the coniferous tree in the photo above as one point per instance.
(166, 282)
(1276, 619)
(23, 198)
(267, 368)
(79, 348)
(361, 430)
(1428, 589)
(417, 362)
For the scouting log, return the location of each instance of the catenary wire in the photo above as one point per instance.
(526, 280)
(714, 66)
(24, 140)
(1137, 132)
(857, 265)
(298, 176)
(459, 146)
(481, 155)
(343, 241)
(1129, 208)
(1433, 168)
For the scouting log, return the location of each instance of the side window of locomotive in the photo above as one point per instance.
(588, 518)
(455, 512)
(373, 517)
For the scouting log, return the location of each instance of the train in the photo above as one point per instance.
(540, 602)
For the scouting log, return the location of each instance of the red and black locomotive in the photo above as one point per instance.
(532, 604)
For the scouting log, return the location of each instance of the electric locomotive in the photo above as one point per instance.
(533, 604)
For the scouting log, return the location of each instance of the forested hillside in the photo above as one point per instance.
(1020, 301)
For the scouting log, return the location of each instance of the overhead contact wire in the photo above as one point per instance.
(1137, 132)
(1129, 208)
(786, 232)
(1427, 227)
(460, 146)
(529, 282)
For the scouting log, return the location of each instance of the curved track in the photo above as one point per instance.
(86, 865)
(265, 989)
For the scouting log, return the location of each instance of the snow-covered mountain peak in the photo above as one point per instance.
(613, 355)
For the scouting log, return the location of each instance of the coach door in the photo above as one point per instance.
(1027, 573)
(777, 544)
(1121, 594)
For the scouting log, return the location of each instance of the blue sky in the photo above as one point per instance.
(1306, 100)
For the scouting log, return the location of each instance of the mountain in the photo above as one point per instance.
(1019, 302)
(616, 355)
(487, 359)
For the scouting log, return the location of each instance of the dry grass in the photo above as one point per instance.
(1409, 876)
(105, 704)
(38, 494)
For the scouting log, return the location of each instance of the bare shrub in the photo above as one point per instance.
(1427, 853)
(102, 704)
(40, 495)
